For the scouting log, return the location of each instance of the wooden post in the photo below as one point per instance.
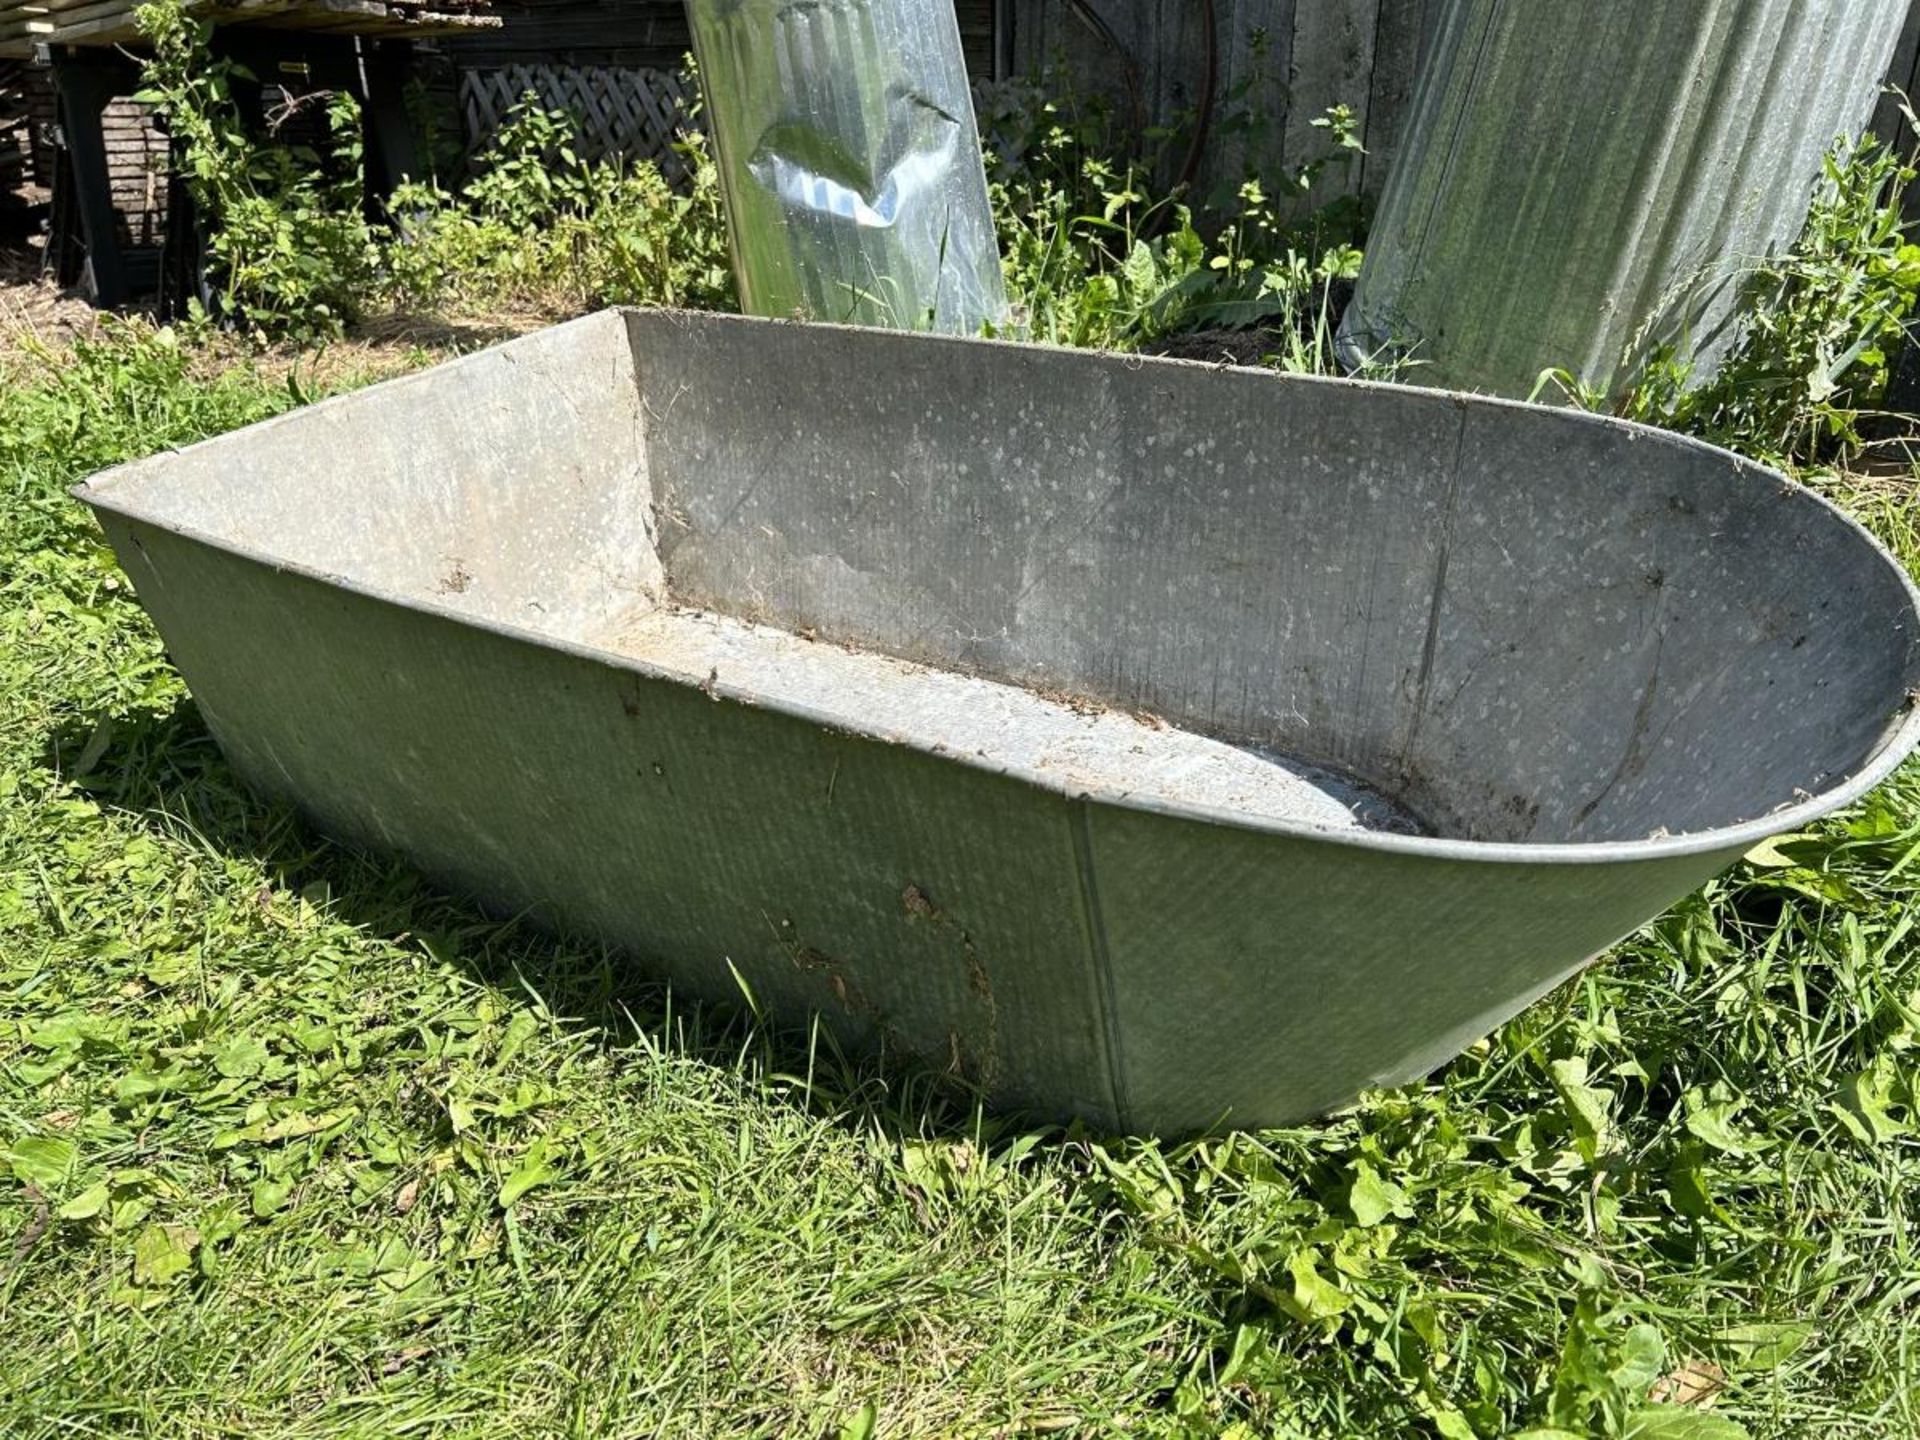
(393, 154)
(85, 87)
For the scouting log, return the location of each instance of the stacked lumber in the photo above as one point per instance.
(26, 23)
(137, 163)
(16, 136)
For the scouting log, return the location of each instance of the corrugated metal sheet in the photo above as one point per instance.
(1583, 183)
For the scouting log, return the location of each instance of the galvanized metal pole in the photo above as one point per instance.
(1584, 184)
(850, 161)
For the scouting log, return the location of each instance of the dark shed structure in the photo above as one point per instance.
(617, 65)
(636, 33)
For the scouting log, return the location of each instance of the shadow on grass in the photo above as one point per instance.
(448, 333)
(165, 769)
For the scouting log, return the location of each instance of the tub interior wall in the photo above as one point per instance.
(1521, 625)
(510, 485)
(1514, 624)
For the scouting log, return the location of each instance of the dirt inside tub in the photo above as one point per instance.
(1087, 747)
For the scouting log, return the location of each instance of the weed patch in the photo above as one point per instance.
(1819, 333)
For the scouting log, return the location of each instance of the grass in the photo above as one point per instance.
(291, 1145)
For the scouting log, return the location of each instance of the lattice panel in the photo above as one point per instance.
(632, 113)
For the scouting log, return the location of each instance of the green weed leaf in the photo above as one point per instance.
(88, 1203)
(163, 1254)
(1710, 1117)
(241, 1058)
(1681, 1422)
(533, 1171)
(1374, 1199)
(42, 1160)
(863, 1423)
(1309, 1296)
(1589, 1106)
(1759, 1348)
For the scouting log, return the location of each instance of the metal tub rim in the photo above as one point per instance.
(1898, 742)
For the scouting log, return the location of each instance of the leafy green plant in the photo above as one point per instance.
(288, 246)
(542, 227)
(292, 255)
(1092, 260)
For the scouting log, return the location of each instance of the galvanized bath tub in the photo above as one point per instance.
(1151, 743)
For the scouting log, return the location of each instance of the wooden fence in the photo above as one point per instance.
(1269, 67)
(1277, 65)
(1904, 77)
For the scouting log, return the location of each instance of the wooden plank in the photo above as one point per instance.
(392, 156)
(649, 34)
(84, 93)
(1331, 64)
(1257, 38)
(107, 30)
(109, 22)
(48, 22)
(1179, 87)
(1891, 125)
(1107, 55)
(73, 7)
(1903, 75)
(1405, 28)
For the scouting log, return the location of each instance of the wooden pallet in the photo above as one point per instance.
(632, 113)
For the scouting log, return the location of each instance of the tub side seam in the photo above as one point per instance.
(1100, 960)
